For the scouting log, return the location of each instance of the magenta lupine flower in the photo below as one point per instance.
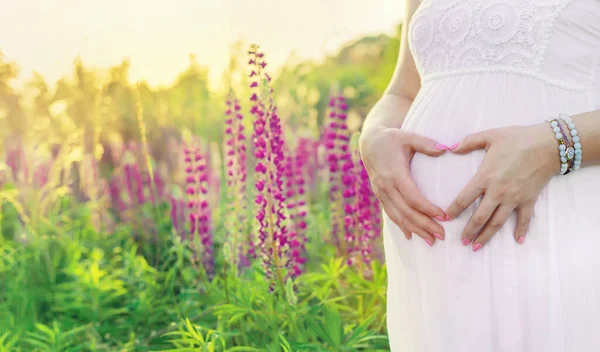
(199, 217)
(307, 156)
(369, 214)
(296, 205)
(270, 159)
(191, 185)
(335, 154)
(204, 216)
(236, 173)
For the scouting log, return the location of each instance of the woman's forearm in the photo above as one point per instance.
(388, 112)
(588, 128)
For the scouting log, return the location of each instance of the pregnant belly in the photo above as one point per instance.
(449, 109)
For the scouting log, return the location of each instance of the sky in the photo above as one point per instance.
(158, 36)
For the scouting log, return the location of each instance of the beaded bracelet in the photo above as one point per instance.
(562, 146)
(576, 151)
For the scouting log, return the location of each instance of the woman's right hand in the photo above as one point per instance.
(386, 153)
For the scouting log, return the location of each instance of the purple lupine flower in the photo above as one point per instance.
(190, 191)
(236, 174)
(296, 205)
(307, 156)
(334, 156)
(270, 167)
(369, 214)
(199, 217)
(204, 216)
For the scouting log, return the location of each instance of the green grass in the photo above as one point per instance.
(67, 286)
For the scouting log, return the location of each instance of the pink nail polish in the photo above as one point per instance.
(448, 218)
(440, 218)
(466, 241)
(453, 146)
(429, 242)
(521, 239)
(440, 146)
(477, 247)
(438, 236)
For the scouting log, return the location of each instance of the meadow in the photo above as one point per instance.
(179, 219)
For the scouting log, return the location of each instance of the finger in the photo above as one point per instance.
(479, 219)
(406, 233)
(427, 228)
(413, 197)
(524, 215)
(496, 221)
(426, 236)
(475, 141)
(395, 216)
(473, 190)
(427, 146)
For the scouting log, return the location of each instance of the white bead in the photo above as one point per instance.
(562, 153)
(573, 132)
(576, 139)
(568, 120)
(563, 159)
(578, 145)
(578, 152)
(571, 126)
(577, 157)
(553, 124)
(562, 147)
(577, 162)
(558, 136)
(557, 129)
(576, 167)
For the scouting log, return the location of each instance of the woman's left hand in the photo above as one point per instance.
(519, 162)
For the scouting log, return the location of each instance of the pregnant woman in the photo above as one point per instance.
(484, 153)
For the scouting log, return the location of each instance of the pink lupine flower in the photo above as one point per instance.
(296, 205)
(236, 173)
(334, 156)
(199, 215)
(268, 143)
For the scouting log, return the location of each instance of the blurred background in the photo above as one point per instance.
(184, 176)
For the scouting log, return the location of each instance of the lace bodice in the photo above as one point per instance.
(557, 41)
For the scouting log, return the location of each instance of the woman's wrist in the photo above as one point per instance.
(544, 140)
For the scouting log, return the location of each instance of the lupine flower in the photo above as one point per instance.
(235, 162)
(204, 216)
(336, 147)
(369, 214)
(307, 152)
(296, 205)
(198, 209)
(268, 150)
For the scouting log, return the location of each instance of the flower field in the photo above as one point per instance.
(129, 224)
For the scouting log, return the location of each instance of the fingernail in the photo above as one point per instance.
(429, 242)
(453, 146)
(521, 239)
(440, 218)
(466, 241)
(448, 217)
(440, 146)
(438, 236)
(477, 247)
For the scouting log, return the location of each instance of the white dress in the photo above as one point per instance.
(487, 64)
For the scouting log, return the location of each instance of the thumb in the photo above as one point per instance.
(475, 141)
(427, 146)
